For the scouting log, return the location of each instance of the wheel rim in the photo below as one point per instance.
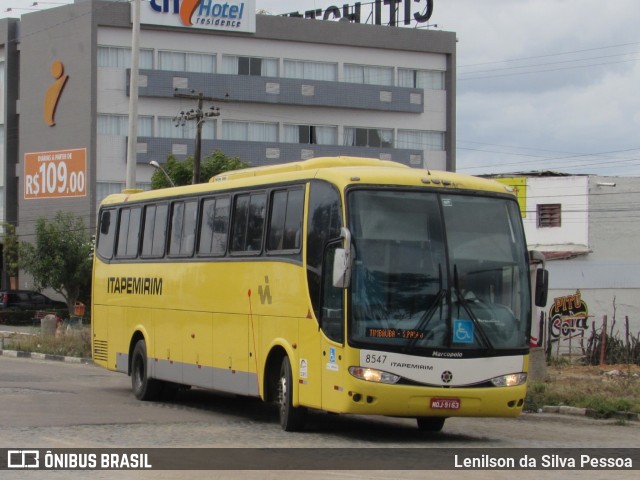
(282, 391)
(138, 372)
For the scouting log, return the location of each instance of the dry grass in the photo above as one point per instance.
(73, 343)
(603, 389)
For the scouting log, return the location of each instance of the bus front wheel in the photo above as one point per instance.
(430, 424)
(144, 388)
(291, 418)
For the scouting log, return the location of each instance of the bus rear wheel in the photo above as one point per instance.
(144, 388)
(291, 418)
(430, 424)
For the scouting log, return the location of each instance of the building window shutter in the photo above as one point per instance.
(549, 215)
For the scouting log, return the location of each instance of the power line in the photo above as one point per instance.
(551, 63)
(546, 71)
(549, 55)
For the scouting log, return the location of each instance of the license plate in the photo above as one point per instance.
(445, 403)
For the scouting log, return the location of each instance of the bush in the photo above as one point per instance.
(26, 317)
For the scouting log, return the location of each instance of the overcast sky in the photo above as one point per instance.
(542, 84)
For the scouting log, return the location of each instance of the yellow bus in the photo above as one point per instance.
(345, 285)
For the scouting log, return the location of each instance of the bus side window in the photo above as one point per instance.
(214, 225)
(285, 226)
(248, 223)
(106, 234)
(183, 228)
(323, 224)
(332, 316)
(128, 232)
(155, 231)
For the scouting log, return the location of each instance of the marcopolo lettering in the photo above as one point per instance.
(374, 11)
(135, 285)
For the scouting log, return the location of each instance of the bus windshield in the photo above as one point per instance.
(437, 271)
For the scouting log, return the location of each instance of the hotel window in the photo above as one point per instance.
(250, 131)
(262, 67)
(425, 79)
(121, 57)
(368, 74)
(311, 134)
(167, 129)
(368, 137)
(310, 70)
(549, 215)
(420, 140)
(186, 62)
(118, 125)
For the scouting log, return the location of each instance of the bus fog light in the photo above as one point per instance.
(373, 375)
(511, 380)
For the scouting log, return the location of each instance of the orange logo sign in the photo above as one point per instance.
(52, 96)
(186, 10)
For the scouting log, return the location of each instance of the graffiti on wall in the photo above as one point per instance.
(569, 315)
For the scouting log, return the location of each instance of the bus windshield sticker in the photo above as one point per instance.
(463, 331)
(446, 202)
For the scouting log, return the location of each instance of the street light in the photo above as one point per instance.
(155, 164)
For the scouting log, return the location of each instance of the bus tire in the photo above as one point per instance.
(144, 388)
(291, 418)
(430, 424)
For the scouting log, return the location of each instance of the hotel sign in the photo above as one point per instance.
(225, 15)
(377, 12)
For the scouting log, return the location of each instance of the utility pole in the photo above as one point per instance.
(199, 116)
(132, 141)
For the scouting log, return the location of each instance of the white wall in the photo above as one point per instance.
(572, 194)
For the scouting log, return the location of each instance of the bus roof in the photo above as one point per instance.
(341, 171)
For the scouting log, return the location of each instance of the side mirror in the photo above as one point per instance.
(542, 287)
(342, 261)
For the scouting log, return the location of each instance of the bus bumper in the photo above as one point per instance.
(366, 398)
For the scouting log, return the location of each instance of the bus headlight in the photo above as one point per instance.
(511, 380)
(373, 375)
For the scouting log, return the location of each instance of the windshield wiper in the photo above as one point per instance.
(465, 305)
(426, 317)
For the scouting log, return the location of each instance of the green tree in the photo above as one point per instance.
(60, 258)
(181, 171)
(10, 251)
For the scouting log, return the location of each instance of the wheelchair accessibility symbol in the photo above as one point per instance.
(463, 331)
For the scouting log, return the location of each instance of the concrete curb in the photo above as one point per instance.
(588, 412)
(45, 356)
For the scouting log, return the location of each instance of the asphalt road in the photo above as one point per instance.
(47, 404)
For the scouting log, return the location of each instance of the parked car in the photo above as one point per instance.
(28, 300)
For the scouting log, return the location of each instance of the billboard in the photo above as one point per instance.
(227, 15)
(56, 174)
